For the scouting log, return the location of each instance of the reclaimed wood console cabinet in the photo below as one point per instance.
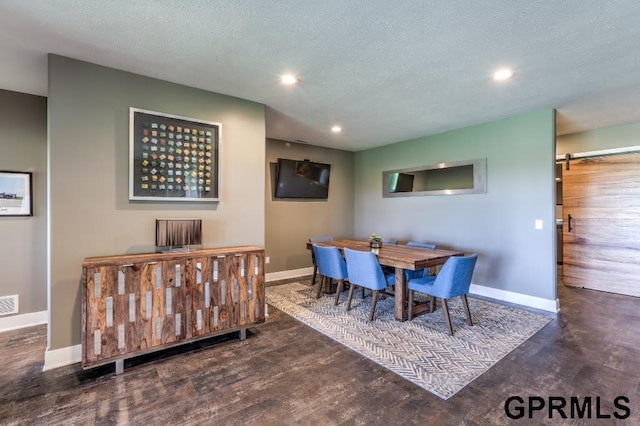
(139, 303)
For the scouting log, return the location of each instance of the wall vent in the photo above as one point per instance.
(8, 305)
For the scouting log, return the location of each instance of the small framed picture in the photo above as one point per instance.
(16, 194)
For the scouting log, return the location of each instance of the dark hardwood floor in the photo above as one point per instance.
(286, 373)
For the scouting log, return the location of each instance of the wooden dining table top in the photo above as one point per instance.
(397, 255)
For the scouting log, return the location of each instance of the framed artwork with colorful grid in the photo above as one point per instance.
(173, 158)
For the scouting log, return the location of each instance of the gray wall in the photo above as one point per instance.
(594, 140)
(498, 225)
(23, 252)
(290, 223)
(89, 207)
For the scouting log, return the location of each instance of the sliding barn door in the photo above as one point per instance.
(601, 215)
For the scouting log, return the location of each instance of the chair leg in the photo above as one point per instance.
(362, 292)
(320, 284)
(466, 308)
(374, 301)
(432, 303)
(410, 310)
(327, 286)
(350, 296)
(445, 311)
(338, 291)
(313, 278)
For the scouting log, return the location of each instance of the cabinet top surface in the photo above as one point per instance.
(158, 256)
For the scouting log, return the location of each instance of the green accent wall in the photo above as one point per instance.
(499, 224)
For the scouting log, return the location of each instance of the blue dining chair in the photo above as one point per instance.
(364, 270)
(313, 255)
(454, 279)
(389, 241)
(331, 265)
(423, 245)
(410, 275)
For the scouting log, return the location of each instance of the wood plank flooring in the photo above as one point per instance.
(286, 373)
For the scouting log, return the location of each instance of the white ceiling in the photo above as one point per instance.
(386, 71)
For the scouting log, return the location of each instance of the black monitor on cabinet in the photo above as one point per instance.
(178, 233)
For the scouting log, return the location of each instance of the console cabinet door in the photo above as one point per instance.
(129, 306)
(198, 281)
(252, 289)
(217, 293)
(111, 319)
(96, 327)
(170, 295)
(164, 302)
(223, 312)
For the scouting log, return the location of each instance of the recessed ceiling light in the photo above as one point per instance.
(503, 74)
(336, 129)
(288, 79)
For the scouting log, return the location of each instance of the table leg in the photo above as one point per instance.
(400, 290)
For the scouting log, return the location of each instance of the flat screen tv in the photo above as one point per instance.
(302, 179)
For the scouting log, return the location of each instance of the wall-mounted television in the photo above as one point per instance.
(302, 179)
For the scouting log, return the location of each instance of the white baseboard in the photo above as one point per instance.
(517, 298)
(60, 357)
(15, 322)
(293, 273)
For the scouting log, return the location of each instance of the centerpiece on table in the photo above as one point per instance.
(375, 241)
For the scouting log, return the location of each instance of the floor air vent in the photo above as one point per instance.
(8, 305)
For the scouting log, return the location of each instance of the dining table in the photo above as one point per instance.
(401, 257)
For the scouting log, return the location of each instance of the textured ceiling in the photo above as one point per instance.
(386, 71)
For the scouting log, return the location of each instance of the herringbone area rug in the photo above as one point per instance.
(421, 351)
